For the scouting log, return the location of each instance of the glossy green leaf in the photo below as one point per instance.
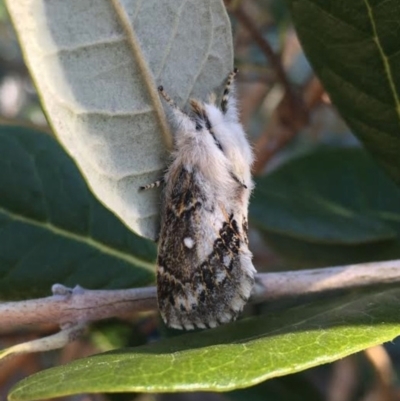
(329, 207)
(231, 356)
(354, 46)
(53, 230)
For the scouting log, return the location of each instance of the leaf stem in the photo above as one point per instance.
(264, 45)
(292, 113)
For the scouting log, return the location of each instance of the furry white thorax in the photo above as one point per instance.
(198, 148)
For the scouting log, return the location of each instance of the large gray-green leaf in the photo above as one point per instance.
(232, 356)
(354, 47)
(332, 206)
(97, 65)
(52, 229)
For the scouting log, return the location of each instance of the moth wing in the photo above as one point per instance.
(205, 274)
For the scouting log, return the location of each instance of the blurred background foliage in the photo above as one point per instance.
(318, 202)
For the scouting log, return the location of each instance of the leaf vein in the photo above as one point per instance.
(384, 57)
(90, 241)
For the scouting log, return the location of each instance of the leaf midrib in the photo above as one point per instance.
(87, 240)
(384, 58)
(146, 73)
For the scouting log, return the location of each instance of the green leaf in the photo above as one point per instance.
(97, 66)
(231, 356)
(53, 230)
(354, 46)
(329, 207)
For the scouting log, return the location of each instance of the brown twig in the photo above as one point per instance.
(291, 114)
(285, 122)
(74, 308)
(81, 305)
(264, 46)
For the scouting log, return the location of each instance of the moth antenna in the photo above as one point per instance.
(177, 110)
(225, 97)
(169, 100)
(166, 97)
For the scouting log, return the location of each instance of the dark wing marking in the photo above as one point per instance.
(194, 292)
(181, 219)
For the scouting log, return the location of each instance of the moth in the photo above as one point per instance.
(204, 267)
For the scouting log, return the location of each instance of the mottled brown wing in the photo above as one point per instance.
(205, 274)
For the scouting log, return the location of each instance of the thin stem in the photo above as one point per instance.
(277, 135)
(264, 46)
(291, 114)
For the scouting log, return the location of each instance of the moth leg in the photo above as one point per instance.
(228, 102)
(154, 184)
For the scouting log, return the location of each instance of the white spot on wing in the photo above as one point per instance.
(188, 242)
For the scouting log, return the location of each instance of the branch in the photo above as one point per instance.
(285, 122)
(292, 114)
(264, 46)
(77, 306)
(274, 286)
